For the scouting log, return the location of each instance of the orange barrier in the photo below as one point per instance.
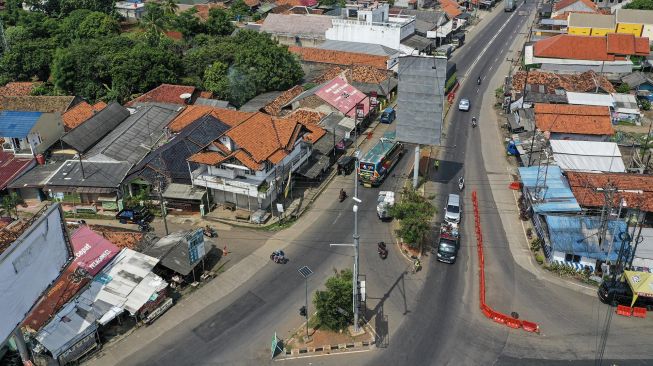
(639, 312)
(485, 309)
(624, 310)
(515, 186)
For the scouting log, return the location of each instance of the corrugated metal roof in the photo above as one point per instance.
(82, 137)
(590, 99)
(358, 47)
(552, 189)
(578, 235)
(17, 124)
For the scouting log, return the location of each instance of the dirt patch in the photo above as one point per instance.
(322, 337)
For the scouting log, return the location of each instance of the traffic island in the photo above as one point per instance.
(323, 341)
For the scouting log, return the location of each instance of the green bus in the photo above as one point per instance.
(374, 166)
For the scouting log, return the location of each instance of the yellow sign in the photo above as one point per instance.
(641, 283)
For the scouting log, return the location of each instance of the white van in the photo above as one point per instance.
(453, 211)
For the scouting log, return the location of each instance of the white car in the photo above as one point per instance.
(463, 105)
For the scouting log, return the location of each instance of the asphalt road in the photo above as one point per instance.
(428, 318)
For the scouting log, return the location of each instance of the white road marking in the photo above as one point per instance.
(489, 44)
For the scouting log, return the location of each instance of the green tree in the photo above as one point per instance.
(414, 213)
(623, 88)
(11, 202)
(218, 23)
(28, 60)
(239, 9)
(640, 4)
(646, 105)
(154, 22)
(170, 7)
(215, 79)
(188, 24)
(85, 24)
(103, 6)
(335, 299)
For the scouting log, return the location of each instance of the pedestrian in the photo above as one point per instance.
(436, 165)
(224, 251)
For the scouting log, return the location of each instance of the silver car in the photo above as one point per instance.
(463, 105)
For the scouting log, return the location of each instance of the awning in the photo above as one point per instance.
(183, 192)
(641, 283)
(314, 166)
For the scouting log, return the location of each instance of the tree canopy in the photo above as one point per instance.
(80, 47)
(334, 301)
(640, 4)
(414, 213)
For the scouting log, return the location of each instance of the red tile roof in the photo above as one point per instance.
(575, 119)
(164, 93)
(274, 107)
(565, 3)
(635, 189)
(307, 3)
(339, 57)
(566, 46)
(78, 114)
(20, 88)
(627, 44)
(11, 167)
(584, 82)
(451, 8)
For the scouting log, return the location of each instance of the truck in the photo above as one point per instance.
(385, 200)
(509, 5)
(448, 243)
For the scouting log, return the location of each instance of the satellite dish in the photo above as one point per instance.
(185, 96)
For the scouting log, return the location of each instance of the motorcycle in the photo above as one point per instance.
(278, 256)
(210, 232)
(473, 122)
(343, 195)
(461, 184)
(478, 81)
(382, 250)
(144, 226)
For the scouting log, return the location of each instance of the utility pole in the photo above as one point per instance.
(356, 247)
(608, 195)
(163, 208)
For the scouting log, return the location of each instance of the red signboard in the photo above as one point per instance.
(374, 100)
(92, 251)
(344, 97)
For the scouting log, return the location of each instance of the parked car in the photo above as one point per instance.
(388, 115)
(464, 105)
(452, 210)
(134, 215)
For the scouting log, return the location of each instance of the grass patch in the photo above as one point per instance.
(281, 225)
(86, 215)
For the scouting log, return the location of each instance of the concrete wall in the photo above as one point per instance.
(580, 31)
(303, 41)
(580, 67)
(647, 31)
(627, 28)
(354, 31)
(602, 31)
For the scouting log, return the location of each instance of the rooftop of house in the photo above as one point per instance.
(90, 174)
(358, 73)
(635, 189)
(292, 3)
(610, 48)
(192, 113)
(11, 167)
(634, 16)
(18, 88)
(310, 54)
(274, 107)
(451, 8)
(297, 25)
(358, 47)
(97, 125)
(78, 114)
(585, 82)
(45, 104)
(566, 3)
(165, 93)
(575, 119)
(592, 20)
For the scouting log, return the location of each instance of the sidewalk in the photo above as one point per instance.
(500, 174)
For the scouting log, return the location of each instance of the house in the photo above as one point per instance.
(317, 55)
(130, 9)
(273, 108)
(370, 22)
(80, 113)
(588, 156)
(174, 255)
(43, 104)
(547, 190)
(18, 88)
(622, 106)
(29, 134)
(641, 82)
(611, 5)
(248, 164)
(639, 23)
(392, 55)
(30, 186)
(432, 24)
(192, 113)
(573, 6)
(40, 245)
(167, 94)
(574, 122)
(82, 136)
(297, 30)
(575, 241)
(633, 192)
(12, 167)
(614, 53)
(587, 24)
(548, 87)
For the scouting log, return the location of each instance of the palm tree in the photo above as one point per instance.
(170, 7)
(10, 203)
(153, 21)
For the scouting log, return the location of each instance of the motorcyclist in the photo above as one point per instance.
(478, 81)
(343, 194)
(474, 122)
(461, 183)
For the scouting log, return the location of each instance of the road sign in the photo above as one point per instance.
(276, 345)
(305, 271)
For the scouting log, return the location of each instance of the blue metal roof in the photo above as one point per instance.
(554, 194)
(578, 235)
(17, 124)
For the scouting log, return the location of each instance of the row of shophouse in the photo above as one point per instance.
(588, 190)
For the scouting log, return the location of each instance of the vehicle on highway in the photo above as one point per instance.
(452, 210)
(388, 115)
(448, 250)
(346, 165)
(463, 105)
(385, 200)
(375, 165)
(509, 5)
(474, 122)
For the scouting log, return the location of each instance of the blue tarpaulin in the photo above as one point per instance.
(550, 189)
(17, 124)
(579, 235)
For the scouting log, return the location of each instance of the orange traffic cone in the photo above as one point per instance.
(224, 251)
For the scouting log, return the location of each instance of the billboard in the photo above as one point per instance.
(195, 246)
(29, 265)
(420, 99)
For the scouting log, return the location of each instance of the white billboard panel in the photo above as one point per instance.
(29, 266)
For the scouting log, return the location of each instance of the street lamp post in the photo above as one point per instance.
(306, 273)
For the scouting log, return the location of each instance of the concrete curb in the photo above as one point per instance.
(327, 349)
